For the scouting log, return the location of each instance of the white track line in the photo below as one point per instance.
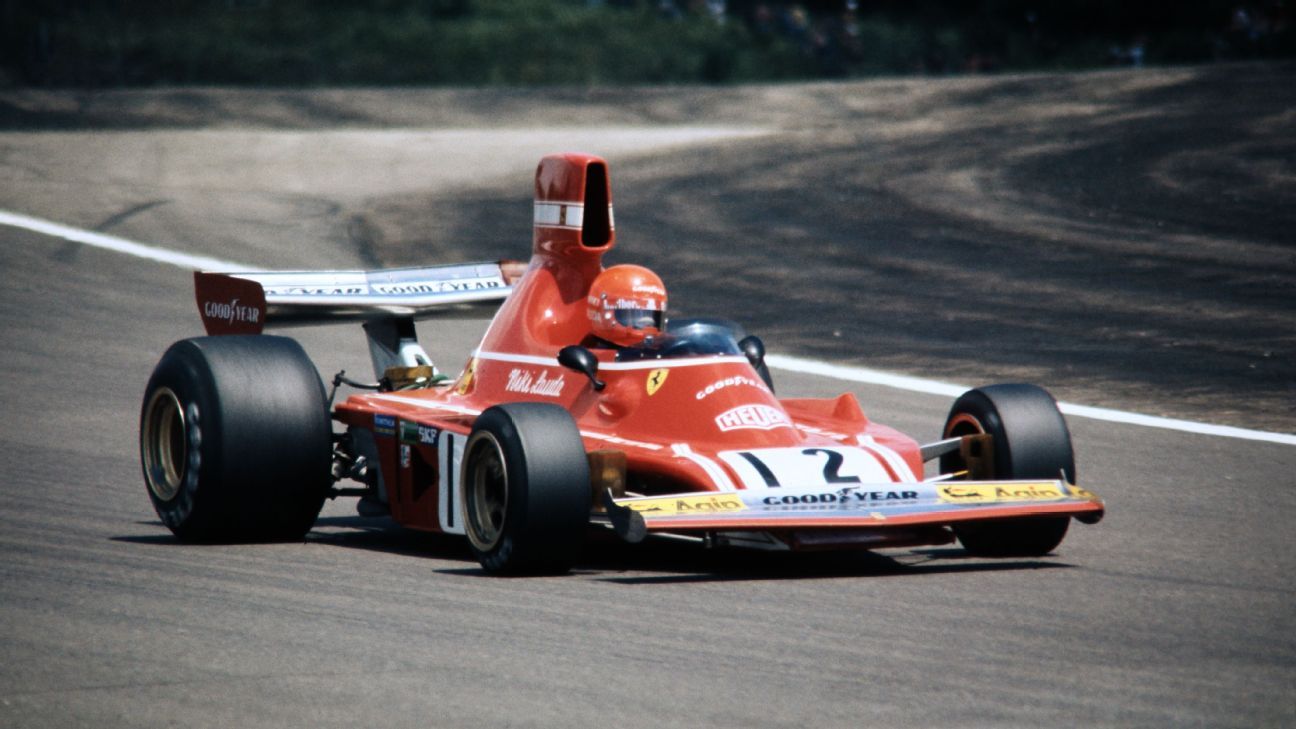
(930, 387)
(776, 361)
(120, 245)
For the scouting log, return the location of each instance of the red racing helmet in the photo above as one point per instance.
(627, 304)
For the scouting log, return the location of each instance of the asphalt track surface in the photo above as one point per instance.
(1175, 610)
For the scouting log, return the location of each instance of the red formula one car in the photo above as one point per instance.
(581, 408)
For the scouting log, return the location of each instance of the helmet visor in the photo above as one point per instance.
(640, 318)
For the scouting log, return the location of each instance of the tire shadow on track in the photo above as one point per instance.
(608, 559)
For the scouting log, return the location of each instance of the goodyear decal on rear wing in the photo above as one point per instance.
(850, 505)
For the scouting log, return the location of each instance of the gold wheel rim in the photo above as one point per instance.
(486, 486)
(164, 443)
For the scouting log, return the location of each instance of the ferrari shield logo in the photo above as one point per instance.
(655, 380)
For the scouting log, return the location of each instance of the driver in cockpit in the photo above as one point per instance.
(627, 305)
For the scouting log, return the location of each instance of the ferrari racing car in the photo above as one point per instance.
(583, 407)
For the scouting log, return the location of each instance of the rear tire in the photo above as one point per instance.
(526, 489)
(235, 439)
(1031, 440)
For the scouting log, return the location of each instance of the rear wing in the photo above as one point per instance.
(386, 301)
(248, 302)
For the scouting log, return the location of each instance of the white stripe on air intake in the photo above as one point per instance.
(713, 469)
(777, 361)
(120, 245)
(932, 387)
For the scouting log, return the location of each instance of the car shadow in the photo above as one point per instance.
(654, 561)
(683, 563)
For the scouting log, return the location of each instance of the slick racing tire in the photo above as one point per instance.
(1030, 440)
(526, 489)
(235, 439)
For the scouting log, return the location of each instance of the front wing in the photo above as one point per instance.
(883, 505)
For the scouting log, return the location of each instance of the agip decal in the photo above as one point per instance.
(688, 505)
(954, 493)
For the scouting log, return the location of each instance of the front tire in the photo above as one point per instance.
(1030, 440)
(526, 489)
(235, 439)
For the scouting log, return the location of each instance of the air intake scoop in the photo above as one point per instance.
(573, 207)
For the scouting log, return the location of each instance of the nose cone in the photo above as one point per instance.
(573, 207)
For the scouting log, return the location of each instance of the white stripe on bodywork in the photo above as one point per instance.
(893, 459)
(713, 469)
(647, 364)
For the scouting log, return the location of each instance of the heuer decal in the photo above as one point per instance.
(752, 417)
(384, 424)
(985, 493)
(655, 380)
(231, 312)
(404, 456)
(686, 505)
(526, 381)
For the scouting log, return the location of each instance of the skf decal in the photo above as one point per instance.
(526, 381)
(687, 505)
(984, 494)
(384, 424)
(466, 379)
(752, 417)
(655, 380)
(427, 435)
(411, 432)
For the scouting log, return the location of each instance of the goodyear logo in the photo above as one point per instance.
(688, 505)
(991, 493)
